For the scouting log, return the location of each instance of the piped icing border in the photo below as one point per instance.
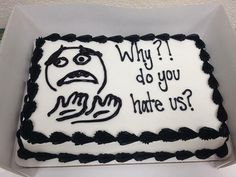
(120, 157)
(101, 137)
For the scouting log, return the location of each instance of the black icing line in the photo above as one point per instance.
(32, 87)
(25, 154)
(75, 75)
(124, 137)
(30, 105)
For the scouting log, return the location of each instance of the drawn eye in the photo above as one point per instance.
(61, 62)
(81, 59)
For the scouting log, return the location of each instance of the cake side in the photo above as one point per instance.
(126, 135)
(48, 155)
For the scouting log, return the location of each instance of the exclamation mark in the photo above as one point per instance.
(168, 47)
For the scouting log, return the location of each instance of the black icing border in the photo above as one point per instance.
(84, 158)
(101, 137)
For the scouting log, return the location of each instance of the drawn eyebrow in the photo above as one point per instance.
(82, 50)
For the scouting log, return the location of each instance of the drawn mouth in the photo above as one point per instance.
(78, 76)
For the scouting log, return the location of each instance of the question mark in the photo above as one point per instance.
(158, 48)
(188, 97)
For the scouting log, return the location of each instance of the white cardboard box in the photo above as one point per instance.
(28, 22)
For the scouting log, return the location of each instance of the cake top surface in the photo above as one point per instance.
(129, 85)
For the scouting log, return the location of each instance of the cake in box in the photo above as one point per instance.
(121, 99)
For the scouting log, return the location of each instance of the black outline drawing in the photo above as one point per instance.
(77, 74)
(75, 99)
(54, 58)
(98, 101)
(79, 99)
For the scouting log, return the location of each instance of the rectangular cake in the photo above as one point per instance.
(108, 100)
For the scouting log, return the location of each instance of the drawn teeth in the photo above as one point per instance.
(78, 76)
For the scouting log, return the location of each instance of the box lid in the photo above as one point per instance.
(29, 22)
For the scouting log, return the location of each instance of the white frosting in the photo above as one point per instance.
(121, 82)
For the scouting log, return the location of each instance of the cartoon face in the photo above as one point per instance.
(80, 66)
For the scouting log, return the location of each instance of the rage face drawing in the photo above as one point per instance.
(78, 68)
(82, 68)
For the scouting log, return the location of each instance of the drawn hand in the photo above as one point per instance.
(72, 107)
(103, 110)
(107, 108)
